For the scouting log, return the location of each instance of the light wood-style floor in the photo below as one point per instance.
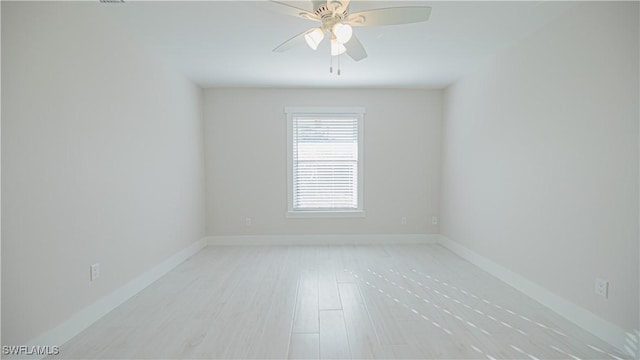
(401, 301)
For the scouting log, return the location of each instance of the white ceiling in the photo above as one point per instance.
(229, 43)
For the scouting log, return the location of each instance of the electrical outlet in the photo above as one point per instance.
(247, 221)
(434, 220)
(602, 288)
(94, 271)
(403, 220)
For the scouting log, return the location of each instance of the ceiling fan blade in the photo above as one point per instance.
(294, 41)
(390, 16)
(355, 49)
(292, 10)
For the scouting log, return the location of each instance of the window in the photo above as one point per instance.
(325, 161)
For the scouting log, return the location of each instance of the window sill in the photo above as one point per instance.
(326, 214)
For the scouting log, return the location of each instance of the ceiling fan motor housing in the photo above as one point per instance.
(330, 12)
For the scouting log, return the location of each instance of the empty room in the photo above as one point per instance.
(320, 179)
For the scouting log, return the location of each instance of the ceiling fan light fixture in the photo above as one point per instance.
(336, 19)
(343, 32)
(337, 48)
(313, 37)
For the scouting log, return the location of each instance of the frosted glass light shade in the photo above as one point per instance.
(314, 37)
(343, 32)
(337, 47)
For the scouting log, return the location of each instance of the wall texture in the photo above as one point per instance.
(540, 159)
(102, 161)
(246, 158)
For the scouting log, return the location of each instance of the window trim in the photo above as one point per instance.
(359, 112)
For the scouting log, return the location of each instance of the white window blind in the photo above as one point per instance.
(325, 162)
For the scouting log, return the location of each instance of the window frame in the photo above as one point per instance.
(358, 112)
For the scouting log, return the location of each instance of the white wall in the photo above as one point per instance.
(102, 161)
(540, 159)
(245, 136)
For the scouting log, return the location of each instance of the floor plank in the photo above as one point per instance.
(334, 343)
(306, 315)
(305, 346)
(363, 340)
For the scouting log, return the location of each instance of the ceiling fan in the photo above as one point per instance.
(337, 22)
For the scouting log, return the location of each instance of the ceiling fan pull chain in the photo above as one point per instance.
(338, 65)
(330, 64)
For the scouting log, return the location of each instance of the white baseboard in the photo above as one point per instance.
(92, 313)
(610, 333)
(368, 239)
